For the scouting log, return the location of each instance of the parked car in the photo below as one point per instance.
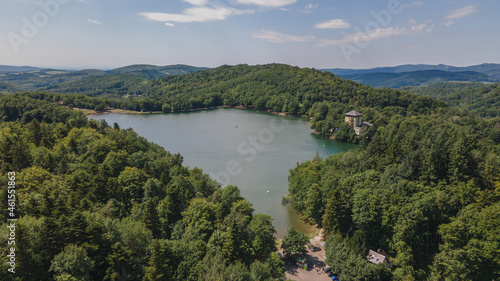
(315, 249)
(328, 269)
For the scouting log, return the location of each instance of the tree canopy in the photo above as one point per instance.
(101, 203)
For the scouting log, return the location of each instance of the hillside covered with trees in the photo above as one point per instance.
(417, 78)
(96, 202)
(87, 81)
(425, 189)
(479, 98)
(280, 88)
(424, 184)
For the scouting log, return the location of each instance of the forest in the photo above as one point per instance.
(96, 202)
(479, 98)
(417, 78)
(425, 189)
(423, 185)
(275, 87)
(93, 82)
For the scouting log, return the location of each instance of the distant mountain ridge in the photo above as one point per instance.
(490, 69)
(419, 74)
(154, 72)
(479, 98)
(8, 68)
(33, 78)
(417, 78)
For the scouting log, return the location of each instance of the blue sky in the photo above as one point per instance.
(320, 34)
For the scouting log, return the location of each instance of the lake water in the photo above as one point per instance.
(252, 150)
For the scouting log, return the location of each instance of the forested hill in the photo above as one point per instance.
(425, 189)
(489, 69)
(95, 202)
(481, 99)
(277, 87)
(88, 81)
(424, 185)
(417, 78)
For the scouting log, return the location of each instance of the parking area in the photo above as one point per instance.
(316, 263)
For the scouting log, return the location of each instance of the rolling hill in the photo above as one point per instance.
(424, 177)
(481, 99)
(154, 72)
(9, 68)
(416, 78)
(32, 78)
(490, 69)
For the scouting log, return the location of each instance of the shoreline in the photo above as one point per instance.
(309, 230)
(89, 112)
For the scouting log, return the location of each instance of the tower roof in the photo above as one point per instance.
(353, 113)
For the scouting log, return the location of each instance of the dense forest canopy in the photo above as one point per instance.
(280, 88)
(88, 81)
(96, 202)
(489, 69)
(424, 184)
(417, 78)
(425, 189)
(479, 98)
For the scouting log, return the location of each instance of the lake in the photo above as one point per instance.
(250, 149)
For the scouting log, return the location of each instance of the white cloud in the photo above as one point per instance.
(196, 2)
(267, 3)
(333, 24)
(418, 27)
(378, 33)
(462, 12)
(93, 21)
(366, 36)
(169, 24)
(278, 37)
(311, 6)
(196, 14)
(448, 23)
(417, 3)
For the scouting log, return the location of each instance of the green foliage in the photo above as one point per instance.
(275, 87)
(294, 242)
(260, 271)
(345, 260)
(417, 78)
(479, 98)
(159, 265)
(277, 265)
(102, 203)
(420, 175)
(470, 246)
(90, 81)
(72, 264)
(262, 231)
(400, 191)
